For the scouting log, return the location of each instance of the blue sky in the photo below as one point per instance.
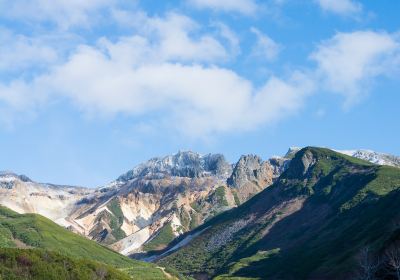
(88, 89)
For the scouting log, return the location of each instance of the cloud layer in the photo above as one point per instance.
(349, 62)
(173, 71)
(247, 7)
(151, 74)
(341, 7)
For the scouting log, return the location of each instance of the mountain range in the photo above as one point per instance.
(328, 216)
(183, 210)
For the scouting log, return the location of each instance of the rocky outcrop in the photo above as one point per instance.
(251, 175)
(182, 164)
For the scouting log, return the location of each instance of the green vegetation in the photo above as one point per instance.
(193, 221)
(42, 264)
(146, 271)
(117, 219)
(250, 262)
(343, 204)
(220, 195)
(184, 217)
(196, 207)
(37, 231)
(236, 197)
(161, 240)
(6, 238)
(83, 255)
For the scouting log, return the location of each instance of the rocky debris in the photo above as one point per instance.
(224, 236)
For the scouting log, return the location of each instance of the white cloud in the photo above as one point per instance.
(265, 48)
(19, 100)
(64, 13)
(174, 37)
(175, 41)
(229, 35)
(341, 7)
(246, 7)
(349, 62)
(130, 77)
(195, 99)
(19, 52)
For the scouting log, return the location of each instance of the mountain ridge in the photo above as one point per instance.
(170, 194)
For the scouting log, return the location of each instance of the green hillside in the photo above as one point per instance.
(313, 223)
(41, 264)
(34, 231)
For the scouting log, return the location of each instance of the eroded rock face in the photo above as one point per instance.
(56, 202)
(178, 191)
(251, 175)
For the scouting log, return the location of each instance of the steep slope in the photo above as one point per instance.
(55, 202)
(251, 175)
(310, 224)
(34, 231)
(367, 155)
(150, 205)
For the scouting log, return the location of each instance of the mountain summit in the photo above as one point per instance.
(183, 164)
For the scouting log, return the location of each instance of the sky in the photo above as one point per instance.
(89, 89)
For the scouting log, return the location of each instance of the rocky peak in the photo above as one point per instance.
(301, 163)
(8, 179)
(182, 164)
(374, 157)
(251, 174)
(292, 152)
(248, 168)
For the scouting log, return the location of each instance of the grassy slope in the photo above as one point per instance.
(38, 232)
(163, 238)
(349, 204)
(41, 264)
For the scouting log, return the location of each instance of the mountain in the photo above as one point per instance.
(182, 164)
(251, 175)
(150, 205)
(374, 157)
(55, 202)
(328, 216)
(52, 247)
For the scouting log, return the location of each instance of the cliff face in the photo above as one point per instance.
(251, 175)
